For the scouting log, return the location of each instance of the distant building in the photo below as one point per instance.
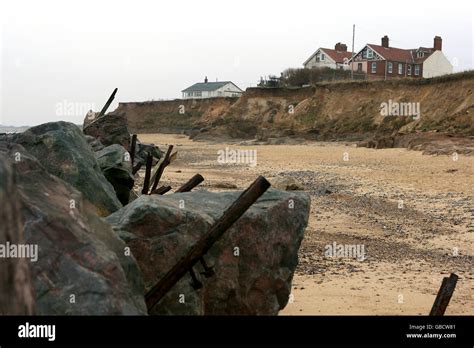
(390, 62)
(336, 58)
(208, 89)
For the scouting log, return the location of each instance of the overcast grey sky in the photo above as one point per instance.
(60, 57)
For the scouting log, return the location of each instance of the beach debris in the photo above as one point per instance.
(161, 167)
(107, 104)
(146, 181)
(161, 190)
(444, 295)
(192, 183)
(133, 148)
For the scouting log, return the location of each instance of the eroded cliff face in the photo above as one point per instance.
(173, 116)
(331, 111)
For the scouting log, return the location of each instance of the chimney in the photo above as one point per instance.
(385, 41)
(205, 79)
(340, 47)
(438, 43)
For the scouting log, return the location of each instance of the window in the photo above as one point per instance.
(370, 54)
(374, 68)
(198, 94)
(400, 68)
(409, 69)
(322, 56)
(390, 67)
(364, 54)
(417, 70)
(420, 54)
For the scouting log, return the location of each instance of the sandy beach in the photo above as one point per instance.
(413, 215)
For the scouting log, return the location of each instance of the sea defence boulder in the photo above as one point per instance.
(142, 150)
(254, 261)
(16, 287)
(115, 163)
(63, 151)
(81, 266)
(95, 144)
(109, 129)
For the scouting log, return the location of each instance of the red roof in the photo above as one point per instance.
(337, 56)
(401, 55)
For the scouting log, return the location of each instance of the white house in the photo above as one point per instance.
(436, 64)
(208, 89)
(336, 58)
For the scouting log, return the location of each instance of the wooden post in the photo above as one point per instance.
(146, 182)
(161, 190)
(192, 183)
(231, 215)
(161, 168)
(109, 101)
(136, 168)
(444, 295)
(132, 148)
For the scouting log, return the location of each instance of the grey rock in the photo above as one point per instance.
(79, 255)
(109, 129)
(254, 261)
(95, 144)
(64, 152)
(114, 161)
(16, 286)
(142, 150)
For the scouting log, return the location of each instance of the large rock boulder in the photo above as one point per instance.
(16, 287)
(95, 144)
(64, 152)
(142, 150)
(109, 129)
(254, 261)
(115, 163)
(82, 266)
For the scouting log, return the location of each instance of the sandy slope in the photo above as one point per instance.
(409, 246)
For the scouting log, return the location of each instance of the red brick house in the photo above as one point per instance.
(385, 62)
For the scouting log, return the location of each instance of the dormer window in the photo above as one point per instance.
(420, 54)
(370, 54)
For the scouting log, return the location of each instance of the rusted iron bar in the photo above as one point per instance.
(136, 168)
(109, 101)
(192, 183)
(231, 215)
(146, 182)
(444, 295)
(161, 168)
(132, 148)
(161, 190)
